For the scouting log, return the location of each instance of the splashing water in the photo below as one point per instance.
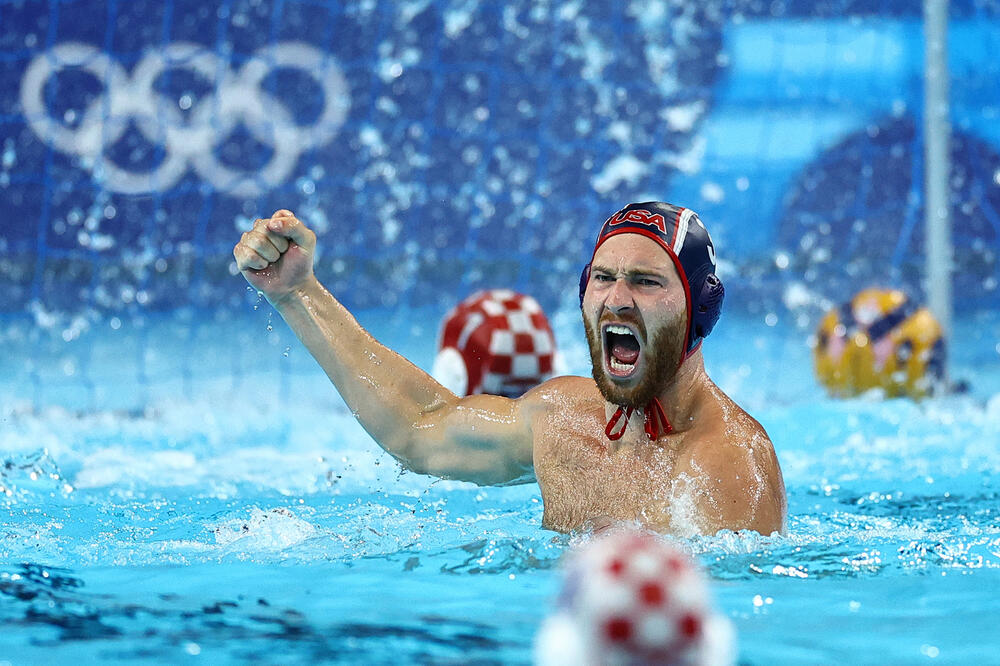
(235, 518)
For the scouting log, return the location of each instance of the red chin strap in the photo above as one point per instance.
(655, 421)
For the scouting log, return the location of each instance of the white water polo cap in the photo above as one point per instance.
(630, 597)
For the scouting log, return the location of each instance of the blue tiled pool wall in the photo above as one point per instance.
(440, 147)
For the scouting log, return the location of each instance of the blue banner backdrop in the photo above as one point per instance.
(442, 147)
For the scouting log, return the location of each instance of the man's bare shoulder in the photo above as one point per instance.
(547, 405)
(562, 391)
(733, 421)
(736, 459)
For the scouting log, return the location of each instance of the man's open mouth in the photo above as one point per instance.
(621, 350)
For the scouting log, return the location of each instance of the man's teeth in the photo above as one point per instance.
(619, 366)
(619, 330)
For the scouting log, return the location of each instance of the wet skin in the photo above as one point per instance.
(715, 470)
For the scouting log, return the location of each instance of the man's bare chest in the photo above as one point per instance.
(583, 478)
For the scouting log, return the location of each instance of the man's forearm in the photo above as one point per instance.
(386, 392)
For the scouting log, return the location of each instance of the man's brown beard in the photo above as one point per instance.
(663, 357)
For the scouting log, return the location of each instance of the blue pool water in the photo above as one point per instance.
(179, 482)
(235, 512)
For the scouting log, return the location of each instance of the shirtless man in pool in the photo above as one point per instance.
(650, 439)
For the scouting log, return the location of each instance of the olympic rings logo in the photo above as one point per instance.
(189, 141)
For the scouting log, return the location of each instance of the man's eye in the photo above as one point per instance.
(603, 278)
(647, 282)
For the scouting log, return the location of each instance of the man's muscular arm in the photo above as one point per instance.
(484, 439)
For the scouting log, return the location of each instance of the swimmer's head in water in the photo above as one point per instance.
(683, 236)
(632, 597)
(495, 341)
(881, 339)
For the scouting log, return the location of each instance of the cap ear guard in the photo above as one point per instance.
(584, 278)
(707, 308)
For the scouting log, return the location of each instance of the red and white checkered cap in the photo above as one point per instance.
(632, 598)
(496, 341)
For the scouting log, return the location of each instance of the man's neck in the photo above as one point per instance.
(680, 397)
(679, 401)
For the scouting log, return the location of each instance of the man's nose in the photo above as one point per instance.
(620, 297)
